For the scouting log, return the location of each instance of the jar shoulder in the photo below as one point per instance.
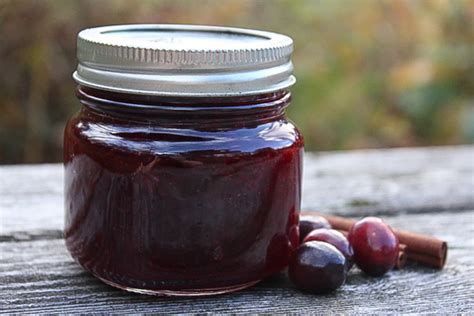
(161, 139)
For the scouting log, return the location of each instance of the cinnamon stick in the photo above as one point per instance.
(426, 250)
(423, 244)
(430, 261)
(401, 260)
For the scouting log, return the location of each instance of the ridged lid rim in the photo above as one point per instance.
(141, 65)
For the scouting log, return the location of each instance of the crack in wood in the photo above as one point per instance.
(20, 236)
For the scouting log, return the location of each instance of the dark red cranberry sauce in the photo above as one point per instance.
(182, 193)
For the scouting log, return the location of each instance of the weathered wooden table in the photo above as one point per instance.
(428, 190)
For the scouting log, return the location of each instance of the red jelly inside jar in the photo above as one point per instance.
(182, 195)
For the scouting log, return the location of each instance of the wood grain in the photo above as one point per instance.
(405, 180)
(427, 190)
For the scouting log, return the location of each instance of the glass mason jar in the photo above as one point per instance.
(182, 172)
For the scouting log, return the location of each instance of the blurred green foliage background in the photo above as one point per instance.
(370, 73)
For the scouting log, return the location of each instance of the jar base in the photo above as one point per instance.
(183, 293)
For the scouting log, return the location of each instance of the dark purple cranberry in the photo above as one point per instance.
(336, 239)
(317, 267)
(375, 246)
(311, 222)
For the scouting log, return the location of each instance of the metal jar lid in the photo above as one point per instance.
(183, 60)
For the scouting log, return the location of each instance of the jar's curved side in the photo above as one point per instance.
(142, 216)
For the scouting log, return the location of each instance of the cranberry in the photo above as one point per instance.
(336, 239)
(317, 267)
(375, 246)
(310, 223)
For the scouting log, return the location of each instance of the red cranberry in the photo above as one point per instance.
(336, 239)
(310, 223)
(375, 246)
(317, 267)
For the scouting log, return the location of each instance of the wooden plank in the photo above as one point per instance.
(38, 276)
(393, 181)
(31, 198)
(365, 182)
